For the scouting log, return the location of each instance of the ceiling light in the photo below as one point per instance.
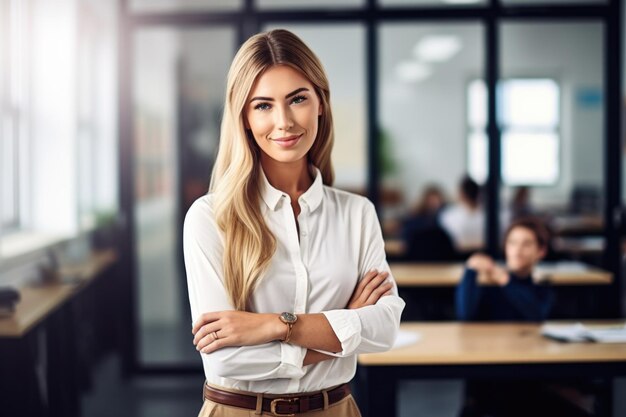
(437, 48)
(412, 71)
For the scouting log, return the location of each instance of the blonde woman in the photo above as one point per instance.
(287, 276)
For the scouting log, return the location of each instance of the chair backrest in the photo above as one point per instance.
(431, 244)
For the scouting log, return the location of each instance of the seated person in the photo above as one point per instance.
(422, 235)
(512, 295)
(424, 214)
(464, 221)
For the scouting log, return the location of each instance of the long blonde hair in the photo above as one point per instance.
(248, 242)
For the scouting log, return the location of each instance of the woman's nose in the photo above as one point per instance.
(284, 118)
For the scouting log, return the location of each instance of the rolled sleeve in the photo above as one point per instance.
(292, 359)
(257, 363)
(347, 327)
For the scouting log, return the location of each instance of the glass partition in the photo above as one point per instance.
(179, 80)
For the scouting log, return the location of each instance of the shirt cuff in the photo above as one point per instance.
(292, 358)
(347, 327)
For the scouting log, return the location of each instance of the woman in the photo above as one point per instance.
(287, 276)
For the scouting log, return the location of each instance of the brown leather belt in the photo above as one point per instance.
(285, 405)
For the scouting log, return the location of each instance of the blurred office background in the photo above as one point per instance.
(109, 125)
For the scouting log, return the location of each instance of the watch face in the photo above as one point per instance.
(288, 317)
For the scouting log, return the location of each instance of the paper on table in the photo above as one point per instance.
(580, 333)
(565, 333)
(405, 338)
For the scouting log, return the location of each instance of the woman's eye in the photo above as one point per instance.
(298, 99)
(262, 106)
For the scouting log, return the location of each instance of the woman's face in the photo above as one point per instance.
(282, 112)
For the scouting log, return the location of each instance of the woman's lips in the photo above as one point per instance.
(288, 141)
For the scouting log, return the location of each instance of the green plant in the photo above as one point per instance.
(104, 218)
(386, 162)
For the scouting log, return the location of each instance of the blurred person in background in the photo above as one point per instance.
(464, 221)
(508, 294)
(423, 236)
(512, 294)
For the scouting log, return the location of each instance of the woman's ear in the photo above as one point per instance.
(319, 112)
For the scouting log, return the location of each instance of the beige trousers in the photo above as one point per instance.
(345, 408)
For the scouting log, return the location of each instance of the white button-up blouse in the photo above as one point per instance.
(316, 272)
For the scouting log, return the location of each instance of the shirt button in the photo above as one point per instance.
(303, 233)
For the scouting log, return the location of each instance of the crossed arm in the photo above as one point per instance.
(311, 331)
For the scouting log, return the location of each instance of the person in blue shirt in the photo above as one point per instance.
(489, 292)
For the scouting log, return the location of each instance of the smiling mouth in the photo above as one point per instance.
(287, 138)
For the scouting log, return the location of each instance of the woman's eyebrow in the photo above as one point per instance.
(293, 93)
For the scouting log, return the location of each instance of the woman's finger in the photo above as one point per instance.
(206, 330)
(205, 319)
(217, 344)
(356, 294)
(366, 280)
(373, 284)
(378, 292)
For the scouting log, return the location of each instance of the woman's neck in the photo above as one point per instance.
(293, 178)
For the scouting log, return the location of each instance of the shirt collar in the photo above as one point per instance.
(312, 197)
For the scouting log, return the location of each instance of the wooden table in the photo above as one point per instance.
(466, 350)
(395, 247)
(577, 224)
(47, 343)
(449, 274)
(38, 301)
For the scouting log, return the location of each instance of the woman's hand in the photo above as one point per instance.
(370, 289)
(235, 328)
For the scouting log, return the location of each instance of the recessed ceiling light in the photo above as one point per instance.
(412, 71)
(437, 48)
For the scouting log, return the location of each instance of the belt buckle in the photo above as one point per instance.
(274, 402)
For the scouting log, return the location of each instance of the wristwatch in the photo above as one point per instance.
(289, 319)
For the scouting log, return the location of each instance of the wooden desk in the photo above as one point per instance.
(577, 224)
(67, 324)
(395, 247)
(449, 274)
(579, 246)
(462, 350)
(489, 343)
(37, 302)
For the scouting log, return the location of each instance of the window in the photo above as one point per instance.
(58, 163)
(13, 43)
(529, 120)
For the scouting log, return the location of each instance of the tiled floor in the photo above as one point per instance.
(141, 396)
